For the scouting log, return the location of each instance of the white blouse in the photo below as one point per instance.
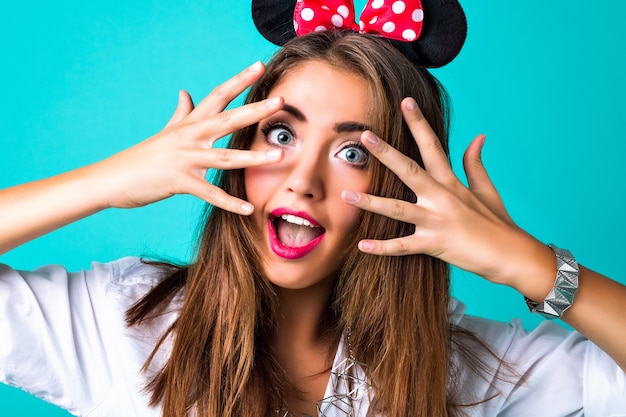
(63, 339)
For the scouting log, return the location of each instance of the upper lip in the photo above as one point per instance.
(303, 214)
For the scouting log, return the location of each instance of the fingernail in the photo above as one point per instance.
(411, 104)
(364, 245)
(272, 102)
(247, 207)
(350, 196)
(370, 138)
(256, 67)
(273, 154)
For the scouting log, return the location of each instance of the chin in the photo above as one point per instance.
(299, 278)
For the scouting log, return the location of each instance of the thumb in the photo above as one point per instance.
(184, 107)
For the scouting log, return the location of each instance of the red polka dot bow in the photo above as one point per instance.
(393, 19)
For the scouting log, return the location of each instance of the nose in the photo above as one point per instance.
(306, 178)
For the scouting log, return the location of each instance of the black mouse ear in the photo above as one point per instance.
(443, 33)
(274, 19)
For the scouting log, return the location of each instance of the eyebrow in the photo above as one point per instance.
(339, 127)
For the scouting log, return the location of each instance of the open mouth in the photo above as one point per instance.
(293, 236)
(294, 231)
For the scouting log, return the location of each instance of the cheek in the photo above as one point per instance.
(349, 178)
(351, 215)
(352, 180)
(257, 181)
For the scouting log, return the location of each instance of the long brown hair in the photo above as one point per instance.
(396, 307)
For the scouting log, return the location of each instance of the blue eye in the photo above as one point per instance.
(355, 154)
(278, 135)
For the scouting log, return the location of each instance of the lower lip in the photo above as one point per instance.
(288, 252)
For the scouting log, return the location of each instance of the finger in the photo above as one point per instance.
(229, 121)
(404, 167)
(223, 94)
(217, 197)
(225, 158)
(479, 182)
(389, 207)
(184, 107)
(392, 247)
(477, 177)
(433, 154)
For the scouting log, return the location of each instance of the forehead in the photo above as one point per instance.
(317, 84)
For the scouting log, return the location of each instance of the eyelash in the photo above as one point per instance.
(268, 127)
(359, 146)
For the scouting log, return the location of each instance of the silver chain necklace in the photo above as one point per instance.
(350, 387)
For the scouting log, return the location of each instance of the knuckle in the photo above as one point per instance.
(417, 117)
(412, 168)
(435, 144)
(211, 195)
(225, 90)
(224, 155)
(234, 205)
(219, 91)
(451, 182)
(449, 201)
(402, 247)
(456, 187)
(258, 107)
(241, 77)
(224, 117)
(253, 111)
(472, 160)
(397, 209)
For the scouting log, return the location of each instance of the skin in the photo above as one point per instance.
(465, 226)
(174, 161)
(311, 177)
(470, 228)
(314, 170)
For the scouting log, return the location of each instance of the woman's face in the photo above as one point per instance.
(304, 223)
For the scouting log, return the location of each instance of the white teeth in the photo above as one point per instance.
(290, 218)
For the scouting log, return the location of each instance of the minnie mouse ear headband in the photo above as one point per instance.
(430, 33)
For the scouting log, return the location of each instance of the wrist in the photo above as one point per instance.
(95, 189)
(530, 267)
(561, 296)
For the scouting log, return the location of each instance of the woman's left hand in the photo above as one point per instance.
(470, 228)
(465, 226)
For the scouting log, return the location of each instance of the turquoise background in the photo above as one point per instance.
(545, 81)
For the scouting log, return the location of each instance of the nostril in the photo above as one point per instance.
(307, 187)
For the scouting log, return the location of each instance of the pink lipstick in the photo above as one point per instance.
(300, 219)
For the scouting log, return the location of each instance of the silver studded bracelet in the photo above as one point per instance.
(561, 296)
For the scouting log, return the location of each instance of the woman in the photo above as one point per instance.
(252, 327)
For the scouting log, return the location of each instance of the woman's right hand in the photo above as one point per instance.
(174, 161)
